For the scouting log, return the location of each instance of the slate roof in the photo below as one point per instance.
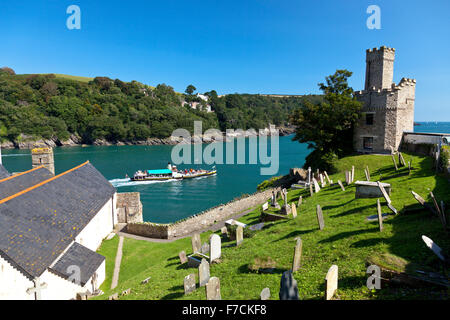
(87, 260)
(16, 183)
(3, 172)
(38, 224)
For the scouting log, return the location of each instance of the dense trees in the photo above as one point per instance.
(54, 108)
(327, 127)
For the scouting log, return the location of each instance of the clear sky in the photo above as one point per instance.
(244, 46)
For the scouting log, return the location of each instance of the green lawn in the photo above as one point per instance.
(348, 240)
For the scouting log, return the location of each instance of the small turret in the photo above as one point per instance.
(43, 157)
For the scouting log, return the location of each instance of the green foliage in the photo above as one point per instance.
(190, 89)
(327, 127)
(269, 183)
(444, 158)
(56, 106)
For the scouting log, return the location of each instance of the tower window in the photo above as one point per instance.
(368, 143)
(369, 118)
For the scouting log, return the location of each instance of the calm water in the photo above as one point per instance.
(171, 200)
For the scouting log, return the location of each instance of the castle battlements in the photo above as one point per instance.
(382, 48)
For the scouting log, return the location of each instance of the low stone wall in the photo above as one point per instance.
(200, 221)
(129, 207)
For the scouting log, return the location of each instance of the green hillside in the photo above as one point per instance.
(348, 240)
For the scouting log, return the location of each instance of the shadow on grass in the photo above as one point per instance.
(173, 296)
(245, 269)
(354, 210)
(366, 243)
(353, 282)
(338, 205)
(347, 234)
(294, 234)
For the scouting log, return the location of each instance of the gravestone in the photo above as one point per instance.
(409, 167)
(331, 282)
(390, 206)
(297, 255)
(341, 185)
(300, 200)
(265, 294)
(311, 190)
(257, 227)
(367, 174)
(203, 273)
(213, 289)
(196, 243)
(294, 210)
(383, 192)
(434, 247)
(347, 177)
(189, 283)
(146, 280)
(370, 189)
(401, 159)
(224, 230)
(265, 206)
(36, 290)
(239, 235)
(316, 185)
(380, 217)
(215, 248)
(395, 163)
(285, 209)
(183, 258)
(205, 248)
(328, 178)
(320, 217)
(352, 177)
(288, 287)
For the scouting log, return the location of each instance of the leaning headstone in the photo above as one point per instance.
(213, 289)
(288, 287)
(390, 206)
(189, 283)
(395, 163)
(294, 210)
(367, 174)
(145, 281)
(316, 186)
(322, 179)
(380, 217)
(265, 294)
(328, 178)
(383, 191)
(311, 190)
(265, 206)
(401, 159)
(239, 235)
(347, 177)
(215, 248)
(297, 255)
(341, 185)
(320, 217)
(300, 200)
(331, 282)
(352, 177)
(183, 258)
(196, 243)
(205, 248)
(203, 273)
(434, 247)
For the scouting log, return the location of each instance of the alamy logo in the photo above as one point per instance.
(374, 20)
(214, 153)
(374, 280)
(75, 274)
(74, 20)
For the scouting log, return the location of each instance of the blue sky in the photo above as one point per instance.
(257, 46)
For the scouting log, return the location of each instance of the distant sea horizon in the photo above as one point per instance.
(432, 126)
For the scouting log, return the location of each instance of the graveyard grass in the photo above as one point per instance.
(348, 240)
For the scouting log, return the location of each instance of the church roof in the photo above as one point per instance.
(87, 260)
(3, 172)
(37, 224)
(12, 184)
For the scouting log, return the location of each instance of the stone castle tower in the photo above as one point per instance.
(388, 108)
(43, 157)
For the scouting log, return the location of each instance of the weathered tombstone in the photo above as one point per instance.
(183, 258)
(213, 289)
(265, 294)
(300, 200)
(367, 174)
(203, 273)
(395, 163)
(401, 160)
(265, 206)
(126, 292)
(409, 167)
(297, 255)
(341, 185)
(115, 296)
(288, 287)
(331, 282)
(347, 177)
(224, 230)
(311, 190)
(434, 247)
(390, 206)
(239, 235)
(294, 210)
(383, 191)
(320, 217)
(418, 198)
(146, 280)
(328, 178)
(205, 248)
(316, 186)
(353, 174)
(309, 175)
(380, 217)
(196, 243)
(215, 248)
(189, 283)
(322, 180)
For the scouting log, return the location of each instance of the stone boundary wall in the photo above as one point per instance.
(200, 221)
(129, 207)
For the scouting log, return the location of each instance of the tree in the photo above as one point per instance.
(327, 126)
(8, 70)
(190, 89)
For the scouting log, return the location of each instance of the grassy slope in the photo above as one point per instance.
(347, 240)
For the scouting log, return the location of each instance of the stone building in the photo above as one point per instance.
(388, 108)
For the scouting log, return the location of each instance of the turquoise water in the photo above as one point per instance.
(168, 201)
